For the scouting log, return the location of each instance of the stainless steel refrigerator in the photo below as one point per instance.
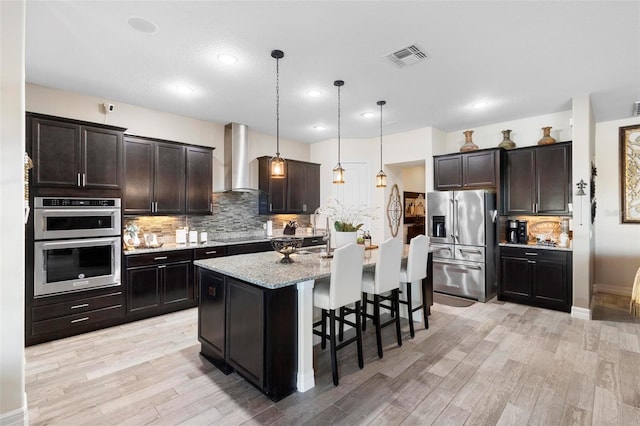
(463, 227)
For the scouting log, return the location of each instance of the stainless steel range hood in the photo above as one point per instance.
(236, 158)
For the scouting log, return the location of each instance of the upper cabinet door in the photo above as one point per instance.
(296, 187)
(520, 181)
(56, 153)
(101, 157)
(479, 169)
(553, 179)
(139, 162)
(199, 176)
(448, 172)
(169, 186)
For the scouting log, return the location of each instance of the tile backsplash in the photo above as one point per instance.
(235, 214)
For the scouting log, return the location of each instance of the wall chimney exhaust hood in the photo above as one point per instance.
(236, 158)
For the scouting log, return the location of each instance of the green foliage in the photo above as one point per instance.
(346, 227)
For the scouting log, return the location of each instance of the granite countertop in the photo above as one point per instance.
(536, 246)
(265, 270)
(210, 243)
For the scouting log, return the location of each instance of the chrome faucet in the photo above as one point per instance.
(315, 218)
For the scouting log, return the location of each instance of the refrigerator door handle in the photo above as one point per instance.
(457, 217)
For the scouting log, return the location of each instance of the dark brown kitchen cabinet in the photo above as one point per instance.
(251, 330)
(199, 180)
(297, 192)
(159, 282)
(469, 170)
(74, 154)
(154, 176)
(538, 277)
(538, 180)
(64, 315)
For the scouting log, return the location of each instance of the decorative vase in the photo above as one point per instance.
(344, 238)
(507, 143)
(468, 143)
(546, 137)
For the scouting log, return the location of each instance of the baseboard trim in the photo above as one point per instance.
(581, 313)
(16, 417)
(612, 289)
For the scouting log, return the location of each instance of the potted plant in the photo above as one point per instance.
(347, 220)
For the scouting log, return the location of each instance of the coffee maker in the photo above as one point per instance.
(512, 231)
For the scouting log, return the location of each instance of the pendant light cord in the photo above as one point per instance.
(380, 103)
(338, 125)
(277, 107)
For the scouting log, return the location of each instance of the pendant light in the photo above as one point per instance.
(277, 162)
(381, 178)
(338, 171)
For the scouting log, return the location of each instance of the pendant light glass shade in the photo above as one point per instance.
(381, 178)
(277, 162)
(338, 171)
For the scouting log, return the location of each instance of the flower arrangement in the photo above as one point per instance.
(346, 218)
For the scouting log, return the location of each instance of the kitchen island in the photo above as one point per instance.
(255, 316)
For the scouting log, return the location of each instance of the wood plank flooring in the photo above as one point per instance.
(486, 364)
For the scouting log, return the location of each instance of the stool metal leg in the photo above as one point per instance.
(332, 343)
(396, 296)
(323, 328)
(359, 336)
(410, 310)
(376, 322)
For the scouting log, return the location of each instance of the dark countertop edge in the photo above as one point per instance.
(210, 243)
(535, 246)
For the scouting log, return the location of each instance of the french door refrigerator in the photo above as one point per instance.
(462, 227)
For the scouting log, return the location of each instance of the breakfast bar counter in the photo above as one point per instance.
(255, 315)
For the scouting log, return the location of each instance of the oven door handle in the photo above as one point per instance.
(79, 212)
(84, 242)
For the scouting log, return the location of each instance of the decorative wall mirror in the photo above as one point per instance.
(394, 210)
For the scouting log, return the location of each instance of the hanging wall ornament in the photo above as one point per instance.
(394, 210)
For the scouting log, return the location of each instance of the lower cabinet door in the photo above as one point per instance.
(143, 289)
(245, 330)
(178, 287)
(211, 315)
(550, 282)
(515, 276)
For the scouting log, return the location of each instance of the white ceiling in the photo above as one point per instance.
(524, 58)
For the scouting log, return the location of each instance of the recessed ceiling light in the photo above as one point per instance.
(478, 105)
(314, 93)
(183, 89)
(319, 127)
(367, 114)
(227, 59)
(142, 25)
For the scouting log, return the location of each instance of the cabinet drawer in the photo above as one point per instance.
(470, 253)
(249, 248)
(209, 252)
(72, 307)
(158, 258)
(77, 320)
(533, 254)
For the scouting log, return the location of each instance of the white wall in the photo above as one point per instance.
(524, 132)
(12, 146)
(157, 124)
(617, 252)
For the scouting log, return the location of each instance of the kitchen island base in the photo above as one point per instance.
(250, 330)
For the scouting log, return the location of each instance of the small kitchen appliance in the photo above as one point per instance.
(512, 231)
(523, 236)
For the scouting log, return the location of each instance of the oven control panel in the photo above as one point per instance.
(76, 202)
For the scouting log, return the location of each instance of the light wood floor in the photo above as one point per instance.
(493, 363)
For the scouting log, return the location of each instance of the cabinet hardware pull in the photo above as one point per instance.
(79, 320)
(470, 251)
(84, 179)
(531, 261)
(162, 266)
(210, 207)
(84, 305)
(211, 252)
(160, 258)
(526, 253)
(304, 207)
(212, 291)
(79, 179)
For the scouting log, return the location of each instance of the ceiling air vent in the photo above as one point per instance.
(407, 56)
(636, 108)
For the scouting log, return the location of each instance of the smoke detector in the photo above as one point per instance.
(408, 56)
(636, 108)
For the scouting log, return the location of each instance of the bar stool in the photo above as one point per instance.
(413, 273)
(383, 280)
(340, 289)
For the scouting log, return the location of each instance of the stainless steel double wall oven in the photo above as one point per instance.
(77, 244)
